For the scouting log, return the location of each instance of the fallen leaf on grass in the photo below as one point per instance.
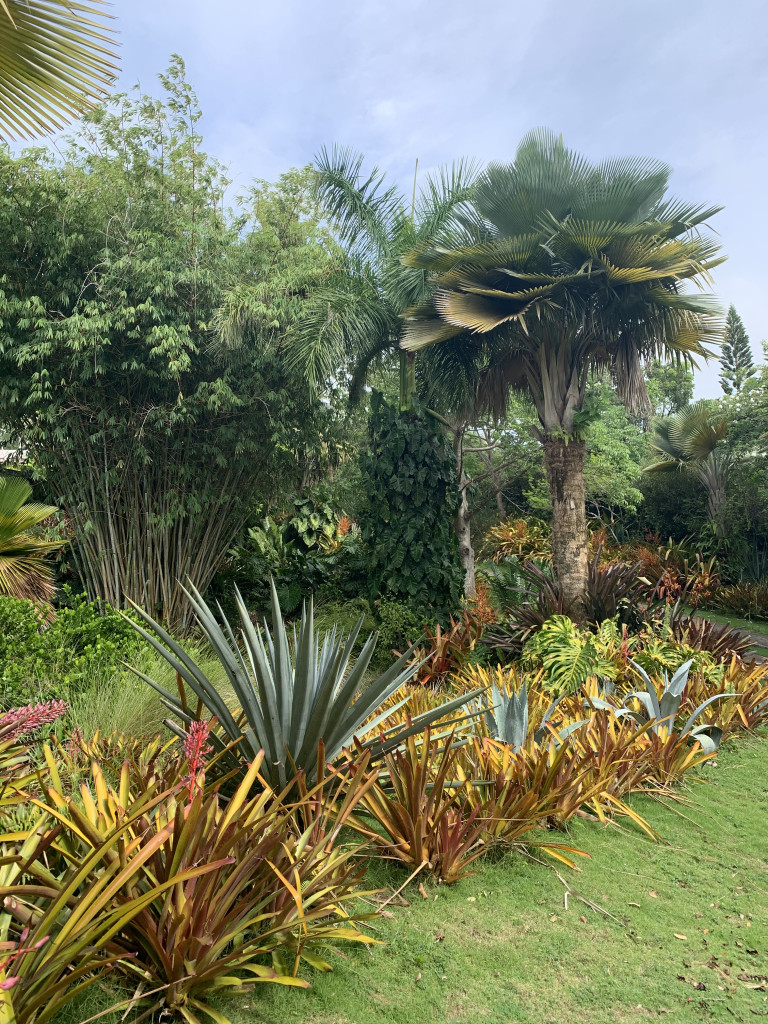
(652, 892)
(423, 891)
(679, 936)
(633, 904)
(582, 919)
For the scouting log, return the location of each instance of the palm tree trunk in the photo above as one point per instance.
(462, 521)
(564, 462)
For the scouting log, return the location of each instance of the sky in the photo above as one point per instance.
(686, 82)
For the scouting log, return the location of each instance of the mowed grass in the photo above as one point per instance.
(675, 930)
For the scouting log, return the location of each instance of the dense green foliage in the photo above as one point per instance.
(58, 658)
(410, 478)
(153, 439)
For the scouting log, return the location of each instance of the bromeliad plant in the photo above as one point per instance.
(235, 892)
(291, 697)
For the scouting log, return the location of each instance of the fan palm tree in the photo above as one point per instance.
(24, 572)
(560, 267)
(56, 60)
(693, 439)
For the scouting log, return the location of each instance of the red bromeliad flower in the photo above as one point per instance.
(196, 749)
(20, 722)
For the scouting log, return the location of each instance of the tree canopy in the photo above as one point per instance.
(153, 438)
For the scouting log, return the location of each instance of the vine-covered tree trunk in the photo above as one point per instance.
(462, 523)
(409, 475)
(564, 462)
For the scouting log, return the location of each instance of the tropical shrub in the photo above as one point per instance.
(568, 655)
(270, 886)
(743, 706)
(722, 642)
(747, 600)
(290, 700)
(520, 538)
(446, 651)
(59, 655)
(399, 626)
(61, 942)
(416, 812)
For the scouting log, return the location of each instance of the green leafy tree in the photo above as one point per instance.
(669, 386)
(57, 59)
(736, 364)
(117, 260)
(564, 266)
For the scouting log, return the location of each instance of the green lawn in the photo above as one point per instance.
(686, 939)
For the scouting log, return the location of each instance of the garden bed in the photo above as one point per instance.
(682, 929)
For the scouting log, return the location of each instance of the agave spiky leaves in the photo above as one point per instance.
(662, 712)
(290, 699)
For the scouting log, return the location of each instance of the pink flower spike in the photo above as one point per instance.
(196, 749)
(22, 721)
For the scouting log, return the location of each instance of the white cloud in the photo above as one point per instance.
(400, 79)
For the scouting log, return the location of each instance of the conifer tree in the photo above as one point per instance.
(736, 354)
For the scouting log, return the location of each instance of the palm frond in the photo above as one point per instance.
(56, 60)
(360, 206)
(341, 327)
(23, 570)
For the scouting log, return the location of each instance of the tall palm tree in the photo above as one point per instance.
(56, 60)
(562, 266)
(693, 439)
(24, 573)
(359, 320)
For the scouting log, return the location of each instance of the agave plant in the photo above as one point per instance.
(662, 712)
(507, 719)
(291, 697)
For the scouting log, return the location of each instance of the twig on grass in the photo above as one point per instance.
(408, 879)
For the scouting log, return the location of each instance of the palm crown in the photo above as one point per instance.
(561, 265)
(358, 318)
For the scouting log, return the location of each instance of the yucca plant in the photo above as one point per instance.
(292, 697)
(661, 712)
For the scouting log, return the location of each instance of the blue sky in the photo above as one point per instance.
(400, 79)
